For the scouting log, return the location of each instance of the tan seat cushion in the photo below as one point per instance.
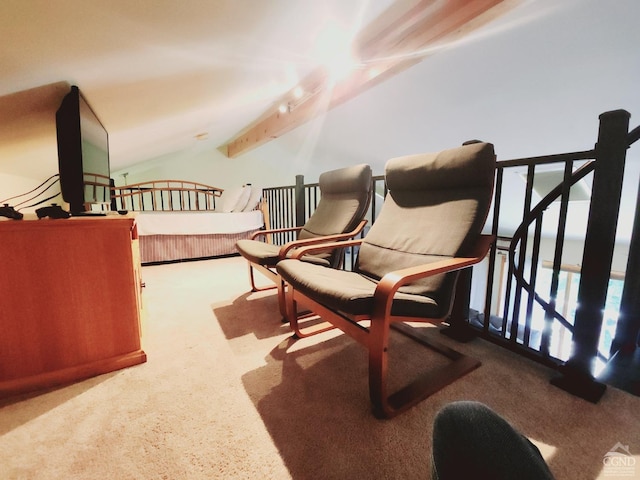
(267, 254)
(349, 292)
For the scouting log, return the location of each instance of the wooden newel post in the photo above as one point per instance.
(610, 153)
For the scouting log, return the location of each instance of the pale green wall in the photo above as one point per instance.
(210, 167)
(271, 165)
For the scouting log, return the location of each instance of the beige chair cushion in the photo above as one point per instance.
(267, 253)
(344, 200)
(349, 292)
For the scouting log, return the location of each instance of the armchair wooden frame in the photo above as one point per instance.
(375, 336)
(270, 272)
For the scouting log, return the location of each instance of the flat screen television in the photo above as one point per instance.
(83, 156)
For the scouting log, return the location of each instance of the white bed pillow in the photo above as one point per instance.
(243, 199)
(254, 198)
(232, 198)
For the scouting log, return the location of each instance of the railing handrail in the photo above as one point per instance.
(546, 159)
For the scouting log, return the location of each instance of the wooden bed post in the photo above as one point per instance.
(299, 199)
(264, 208)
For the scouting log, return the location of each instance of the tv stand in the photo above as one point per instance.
(89, 214)
(71, 301)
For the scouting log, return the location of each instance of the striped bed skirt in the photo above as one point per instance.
(173, 248)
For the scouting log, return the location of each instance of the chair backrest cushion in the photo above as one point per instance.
(436, 207)
(345, 195)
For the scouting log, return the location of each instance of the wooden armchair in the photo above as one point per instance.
(345, 195)
(429, 229)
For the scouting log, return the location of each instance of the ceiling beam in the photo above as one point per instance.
(383, 50)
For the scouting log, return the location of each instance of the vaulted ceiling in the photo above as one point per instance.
(396, 40)
(162, 74)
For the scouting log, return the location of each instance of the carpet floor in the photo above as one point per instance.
(227, 394)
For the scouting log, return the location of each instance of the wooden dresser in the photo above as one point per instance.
(70, 300)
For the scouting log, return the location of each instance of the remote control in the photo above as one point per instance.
(52, 211)
(10, 212)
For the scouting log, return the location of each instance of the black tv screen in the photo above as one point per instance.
(83, 156)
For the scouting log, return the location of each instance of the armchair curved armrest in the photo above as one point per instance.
(392, 281)
(308, 242)
(322, 247)
(274, 230)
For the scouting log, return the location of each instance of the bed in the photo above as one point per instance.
(180, 220)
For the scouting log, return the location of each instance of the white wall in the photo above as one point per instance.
(14, 185)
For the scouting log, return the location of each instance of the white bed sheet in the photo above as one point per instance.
(197, 223)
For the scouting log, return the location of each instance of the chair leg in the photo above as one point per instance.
(290, 311)
(378, 345)
(279, 284)
(282, 304)
(294, 317)
(251, 279)
(254, 288)
(387, 406)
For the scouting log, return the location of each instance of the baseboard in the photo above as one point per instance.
(9, 388)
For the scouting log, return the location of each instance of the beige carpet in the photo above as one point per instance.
(226, 394)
